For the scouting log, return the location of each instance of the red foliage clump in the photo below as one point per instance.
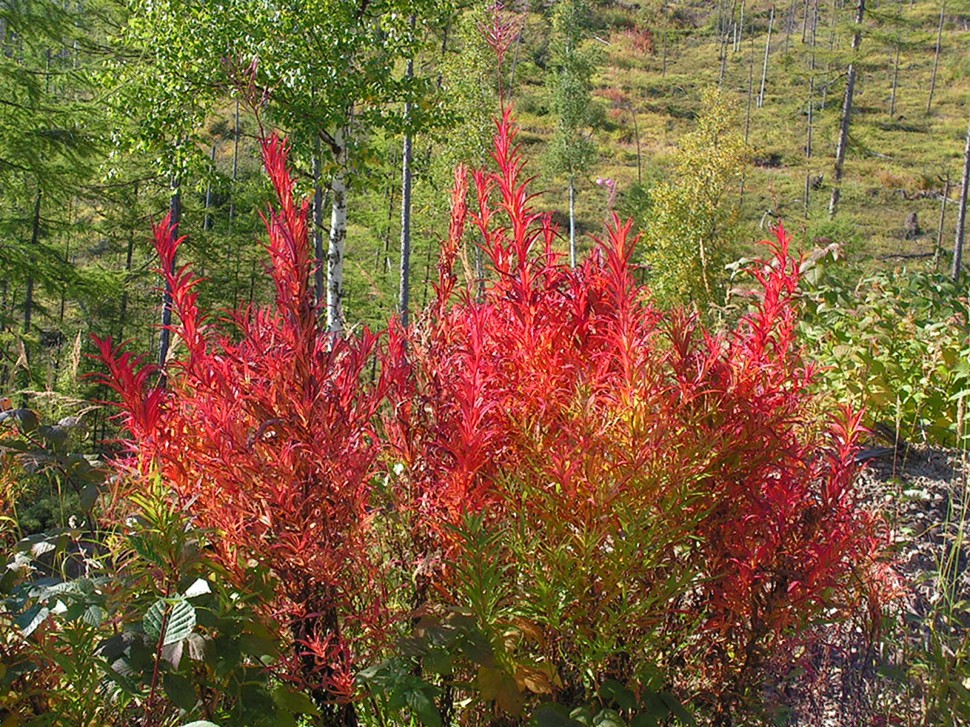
(265, 434)
(563, 400)
(641, 39)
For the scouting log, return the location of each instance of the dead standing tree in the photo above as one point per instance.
(846, 111)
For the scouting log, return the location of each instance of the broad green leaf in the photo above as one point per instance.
(180, 690)
(199, 588)
(553, 715)
(294, 702)
(608, 718)
(30, 620)
(422, 706)
(176, 616)
(613, 691)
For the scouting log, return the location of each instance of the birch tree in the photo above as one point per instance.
(572, 147)
(961, 214)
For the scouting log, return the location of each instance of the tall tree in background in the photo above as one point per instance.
(160, 103)
(847, 110)
(962, 214)
(572, 147)
(47, 131)
(328, 65)
(936, 55)
(320, 69)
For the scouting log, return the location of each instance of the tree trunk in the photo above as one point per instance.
(747, 113)
(789, 26)
(811, 106)
(737, 46)
(572, 222)
(34, 241)
(939, 231)
(404, 297)
(846, 113)
(207, 218)
(962, 214)
(164, 334)
(764, 69)
(722, 60)
(811, 84)
(338, 237)
(235, 166)
(936, 56)
(319, 274)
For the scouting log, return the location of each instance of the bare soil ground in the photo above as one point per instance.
(920, 672)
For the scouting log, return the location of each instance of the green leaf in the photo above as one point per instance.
(294, 702)
(677, 709)
(615, 692)
(553, 715)
(30, 620)
(199, 588)
(608, 718)
(179, 689)
(422, 706)
(94, 616)
(89, 495)
(177, 616)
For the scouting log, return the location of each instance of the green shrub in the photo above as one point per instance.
(897, 344)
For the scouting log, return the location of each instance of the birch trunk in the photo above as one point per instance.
(164, 334)
(338, 237)
(572, 222)
(962, 214)
(764, 69)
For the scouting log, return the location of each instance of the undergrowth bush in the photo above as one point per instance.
(121, 616)
(265, 434)
(668, 512)
(898, 345)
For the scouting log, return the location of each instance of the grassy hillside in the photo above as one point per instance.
(896, 164)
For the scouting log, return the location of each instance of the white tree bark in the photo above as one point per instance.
(764, 69)
(572, 222)
(962, 214)
(338, 237)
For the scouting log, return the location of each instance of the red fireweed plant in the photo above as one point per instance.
(665, 493)
(265, 434)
